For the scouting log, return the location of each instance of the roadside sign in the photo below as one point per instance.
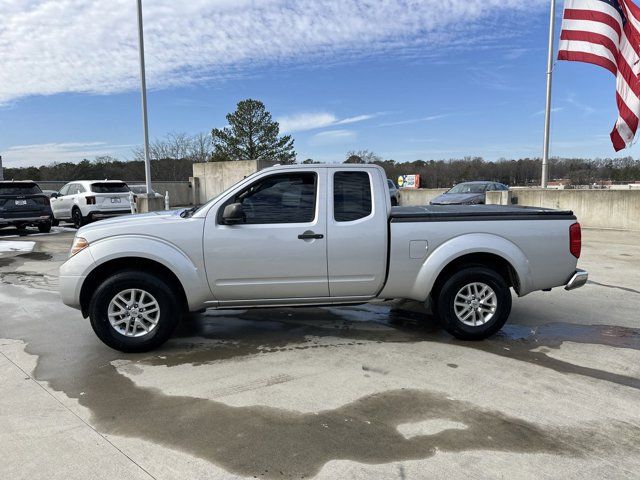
(409, 181)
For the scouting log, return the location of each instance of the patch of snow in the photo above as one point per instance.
(7, 246)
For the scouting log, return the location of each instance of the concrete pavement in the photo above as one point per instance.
(352, 392)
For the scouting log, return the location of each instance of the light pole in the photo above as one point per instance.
(143, 88)
(547, 110)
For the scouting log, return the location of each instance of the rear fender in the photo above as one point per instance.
(468, 244)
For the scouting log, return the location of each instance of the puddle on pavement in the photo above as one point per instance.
(274, 443)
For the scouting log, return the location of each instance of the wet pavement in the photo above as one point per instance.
(354, 392)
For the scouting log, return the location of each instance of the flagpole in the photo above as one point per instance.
(143, 90)
(547, 110)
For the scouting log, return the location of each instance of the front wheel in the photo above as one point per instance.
(474, 303)
(134, 311)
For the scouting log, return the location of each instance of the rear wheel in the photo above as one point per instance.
(474, 303)
(44, 227)
(134, 311)
(54, 222)
(77, 218)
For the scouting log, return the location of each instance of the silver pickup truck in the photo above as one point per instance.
(314, 235)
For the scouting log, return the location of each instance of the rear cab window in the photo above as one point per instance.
(351, 196)
(110, 187)
(11, 188)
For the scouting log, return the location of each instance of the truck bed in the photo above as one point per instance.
(452, 213)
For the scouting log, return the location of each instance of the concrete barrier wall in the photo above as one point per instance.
(618, 209)
(215, 177)
(179, 192)
(420, 196)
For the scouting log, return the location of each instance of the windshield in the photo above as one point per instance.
(469, 188)
(19, 189)
(190, 211)
(109, 187)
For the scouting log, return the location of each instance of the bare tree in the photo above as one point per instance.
(362, 156)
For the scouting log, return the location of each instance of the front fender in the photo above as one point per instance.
(457, 247)
(191, 276)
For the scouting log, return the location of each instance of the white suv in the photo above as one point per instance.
(83, 201)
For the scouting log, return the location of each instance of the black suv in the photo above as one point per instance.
(23, 204)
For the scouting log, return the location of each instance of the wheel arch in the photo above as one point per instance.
(110, 267)
(492, 261)
(482, 249)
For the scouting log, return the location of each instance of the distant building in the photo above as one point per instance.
(560, 184)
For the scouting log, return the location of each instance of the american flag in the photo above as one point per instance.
(607, 33)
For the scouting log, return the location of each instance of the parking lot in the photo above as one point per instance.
(348, 392)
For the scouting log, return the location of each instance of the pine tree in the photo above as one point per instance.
(252, 135)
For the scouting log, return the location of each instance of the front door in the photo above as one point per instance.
(61, 205)
(279, 251)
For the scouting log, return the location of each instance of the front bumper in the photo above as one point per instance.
(72, 275)
(577, 280)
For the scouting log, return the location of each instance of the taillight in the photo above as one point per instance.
(575, 240)
(91, 200)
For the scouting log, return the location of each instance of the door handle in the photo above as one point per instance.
(309, 235)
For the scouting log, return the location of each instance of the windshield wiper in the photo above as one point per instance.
(188, 212)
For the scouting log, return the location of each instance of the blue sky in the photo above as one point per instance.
(404, 79)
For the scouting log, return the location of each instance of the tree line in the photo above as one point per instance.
(433, 173)
(252, 134)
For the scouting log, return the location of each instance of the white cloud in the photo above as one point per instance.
(357, 118)
(54, 46)
(310, 121)
(553, 110)
(46, 153)
(333, 137)
(429, 118)
(306, 121)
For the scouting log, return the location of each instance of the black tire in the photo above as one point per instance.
(169, 316)
(77, 218)
(446, 307)
(54, 222)
(22, 230)
(394, 202)
(44, 227)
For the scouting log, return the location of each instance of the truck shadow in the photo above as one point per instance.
(240, 333)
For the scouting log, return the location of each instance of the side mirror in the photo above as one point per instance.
(233, 214)
(54, 195)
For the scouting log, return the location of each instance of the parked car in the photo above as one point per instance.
(84, 201)
(23, 204)
(394, 193)
(467, 193)
(304, 235)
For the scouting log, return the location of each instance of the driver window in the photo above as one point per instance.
(282, 198)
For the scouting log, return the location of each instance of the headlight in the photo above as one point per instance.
(79, 244)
